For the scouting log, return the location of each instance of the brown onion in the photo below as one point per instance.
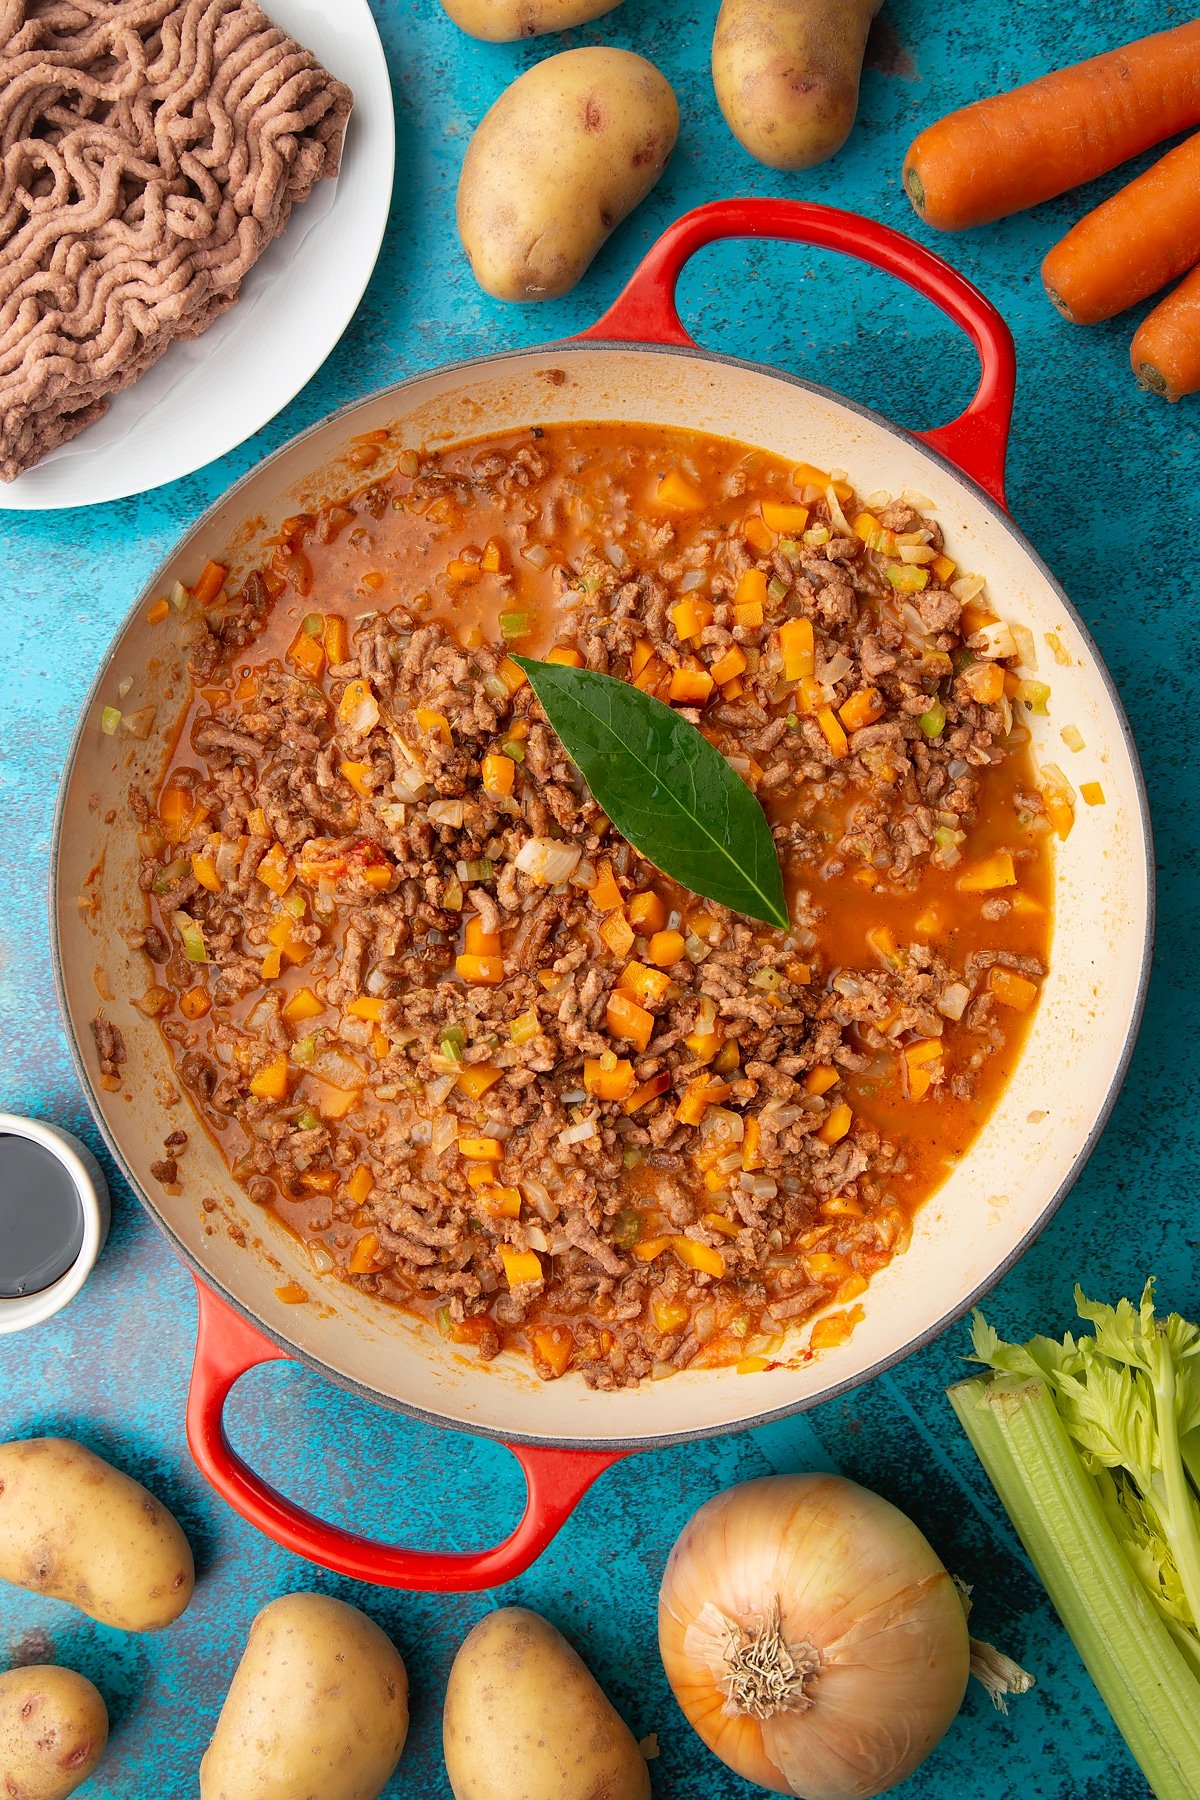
(812, 1637)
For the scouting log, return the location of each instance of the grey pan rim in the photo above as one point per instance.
(770, 1415)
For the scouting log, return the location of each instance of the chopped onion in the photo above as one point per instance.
(537, 555)
(445, 1131)
(704, 1322)
(954, 999)
(446, 812)
(364, 715)
(578, 1134)
(538, 1196)
(615, 555)
(227, 860)
(835, 669)
(546, 860)
(763, 1187)
(585, 875)
(320, 1258)
(340, 1071)
(407, 785)
(836, 515)
(1026, 646)
(998, 639)
(966, 587)
(693, 579)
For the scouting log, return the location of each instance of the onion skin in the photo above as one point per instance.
(857, 1581)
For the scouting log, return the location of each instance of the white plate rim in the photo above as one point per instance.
(97, 479)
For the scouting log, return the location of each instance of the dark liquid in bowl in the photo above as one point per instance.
(41, 1219)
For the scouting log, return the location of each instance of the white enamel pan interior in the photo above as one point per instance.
(991, 1206)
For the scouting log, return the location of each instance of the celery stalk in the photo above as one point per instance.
(1127, 1648)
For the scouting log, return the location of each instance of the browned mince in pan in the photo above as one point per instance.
(485, 1060)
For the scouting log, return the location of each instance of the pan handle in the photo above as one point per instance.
(227, 1347)
(976, 441)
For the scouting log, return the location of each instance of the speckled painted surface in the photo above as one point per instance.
(1093, 465)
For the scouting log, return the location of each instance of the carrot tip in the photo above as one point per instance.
(1152, 380)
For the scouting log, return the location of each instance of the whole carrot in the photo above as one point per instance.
(1135, 243)
(1165, 352)
(1016, 149)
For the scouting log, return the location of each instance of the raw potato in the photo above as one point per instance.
(562, 157)
(525, 1720)
(499, 21)
(75, 1528)
(786, 75)
(53, 1731)
(318, 1706)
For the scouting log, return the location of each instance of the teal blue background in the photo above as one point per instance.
(1102, 478)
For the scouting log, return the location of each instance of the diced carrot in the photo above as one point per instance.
(1092, 793)
(512, 675)
(356, 774)
(984, 681)
(799, 973)
(293, 949)
(882, 940)
(378, 875)
(690, 617)
(669, 1314)
(647, 912)
(862, 708)
(158, 612)
(704, 1044)
(554, 1345)
(360, 1185)
(481, 971)
(480, 1174)
(205, 871)
(925, 1050)
(834, 1328)
(380, 1044)
(728, 667)
(271, 1081)
(929, 924)
(308, 654)
(642, 653)
(477, 941)
(356, 695)
(475, 1080)
(665, 948)
(718, 1222)
(835, 737)
(826, 1265)
(435, 722)
(748, 613)
(757, 535)
(874, 535)
(1011, 989)
(733, 690)
(319, 1181)
(646, 1249)
(617, 933)
(837, 1124)
(604, 894)
(702, 1257)
(256, 823)
(787, 519)
(275, 870)
(272, 963)
(821, 1079)
(651, 676)
(646, 985)
(692, 687)
(176, 810)
(366, 1006)
(798, 649)
(564, 654)
(698, 1096)
(500, 1202)
(362, 1257)
(460, 570)
(195, 1003)
(675, 493)
(246, 689)
(751, 1365)
(842, 1206)
(520, 1266)
(608, 1084)
(336, 639)
(626, 1019)
(943, 567)
(492, 560)
(805, 475)
(993, 872)
(212, 580)
(291, 1294)
(649, 1090)
(481, 1149)
(851, 1288)
(751, 1140)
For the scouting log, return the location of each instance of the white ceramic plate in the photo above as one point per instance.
(204, 398)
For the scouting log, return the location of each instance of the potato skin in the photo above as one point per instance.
(318, 1705)
(75, 1528)
(525, 1720)
(786, 75)
(500, 21)
(562, 157)
(53, 1732)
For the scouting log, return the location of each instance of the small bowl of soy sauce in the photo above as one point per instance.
(54, 1216)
